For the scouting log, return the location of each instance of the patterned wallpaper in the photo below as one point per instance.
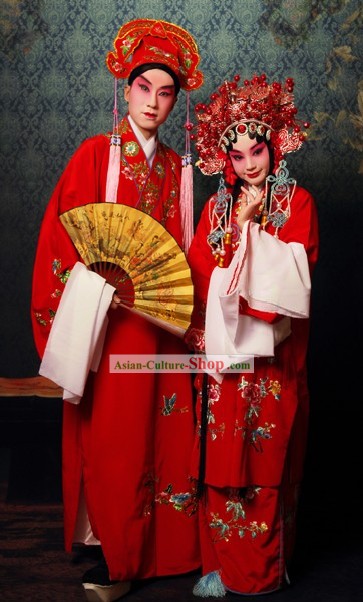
(55, 90)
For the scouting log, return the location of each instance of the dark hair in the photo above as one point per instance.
(147, 66)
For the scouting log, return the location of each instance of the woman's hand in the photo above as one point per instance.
(251, 203)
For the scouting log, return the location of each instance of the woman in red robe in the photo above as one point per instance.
(254, 250)
(127, 444)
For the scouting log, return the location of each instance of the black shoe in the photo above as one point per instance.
(99, 588)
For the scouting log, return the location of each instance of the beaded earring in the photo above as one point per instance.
(220, 217)
(282, 191)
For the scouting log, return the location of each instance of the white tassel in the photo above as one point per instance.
(114, 160)
(113, 171)
(186, 187)
(210, 585)
(186, 202)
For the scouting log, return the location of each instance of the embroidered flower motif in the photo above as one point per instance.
(142, 175)
(195, 339)
(261, 432)
(179, 500)
(254, 394)
(40, 319)
(123, 127)
(214, 392)
(182, 502)
(150, 482)
(275, 388)
(159, 168)
(169, 208)
(214, 432)
(56, 265)
(56, 293)
(56, 269)
(45, 321)
(126, 171)
(127, 43)
(221, 527)
(236, 507)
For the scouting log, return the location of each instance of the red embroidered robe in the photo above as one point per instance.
(132, 456)
(256, 433)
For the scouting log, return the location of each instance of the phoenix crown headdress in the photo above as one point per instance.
(256, 107)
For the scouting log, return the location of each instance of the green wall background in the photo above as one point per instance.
(55, 90)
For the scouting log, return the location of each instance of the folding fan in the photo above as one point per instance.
(137, 256)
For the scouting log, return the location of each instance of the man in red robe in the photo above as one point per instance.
(126, 474)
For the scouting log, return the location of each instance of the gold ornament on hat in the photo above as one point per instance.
(145, 41)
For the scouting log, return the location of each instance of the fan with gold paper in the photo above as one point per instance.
(136, 255)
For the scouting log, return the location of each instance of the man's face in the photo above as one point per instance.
(151, 97)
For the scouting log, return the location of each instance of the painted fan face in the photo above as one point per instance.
(151, 98)
(137, 256)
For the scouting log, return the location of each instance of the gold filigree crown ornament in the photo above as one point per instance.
(255, 107)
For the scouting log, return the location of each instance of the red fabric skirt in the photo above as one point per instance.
(134, 459)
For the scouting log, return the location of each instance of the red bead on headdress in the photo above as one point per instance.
(145, 41)
(256, 107)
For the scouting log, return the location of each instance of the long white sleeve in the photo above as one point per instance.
(272, 276)
(76, 338)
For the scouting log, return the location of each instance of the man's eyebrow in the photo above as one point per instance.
(150, 83)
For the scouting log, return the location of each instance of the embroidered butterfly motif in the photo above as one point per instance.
(169, 406)
(169, 403)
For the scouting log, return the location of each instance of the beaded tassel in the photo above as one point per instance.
(186, 188)
(282, 191)
(220, 217)
(186, 202)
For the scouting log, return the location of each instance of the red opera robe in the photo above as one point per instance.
(131, 455)
(256, 431)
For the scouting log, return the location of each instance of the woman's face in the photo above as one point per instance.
(150, 97)
(250, 160)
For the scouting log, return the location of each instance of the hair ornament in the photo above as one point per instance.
(255, 107)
